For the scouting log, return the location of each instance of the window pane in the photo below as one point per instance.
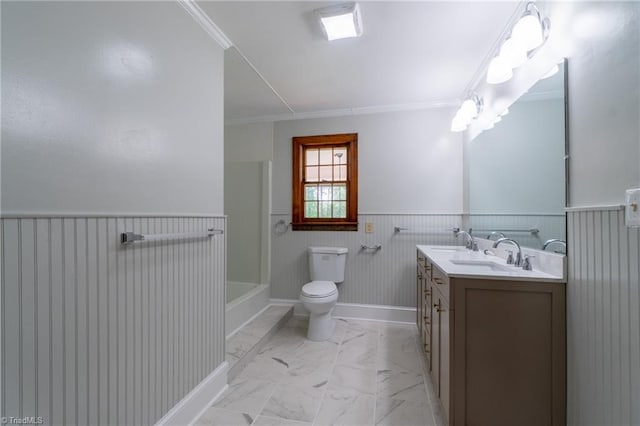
(339, 172)
(340, 192)
(325, 174)
(340, 156)
(325, 209)
(312, 174)
(326, 156)
(325, 192)
(312, 157)
(310, 192)
(310, 209)
(340, 209)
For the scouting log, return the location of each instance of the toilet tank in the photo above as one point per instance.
(327, 263)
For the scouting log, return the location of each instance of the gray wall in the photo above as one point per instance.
(111, 110)
(603, 324)
(409, 175)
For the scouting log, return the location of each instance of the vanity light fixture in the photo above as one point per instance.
(340, 21)
(468, 111)
(531, 30)
(499, 71)
(527, 35)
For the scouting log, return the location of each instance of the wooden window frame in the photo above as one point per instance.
(300, 144)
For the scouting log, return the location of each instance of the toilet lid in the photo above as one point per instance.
(319, 289)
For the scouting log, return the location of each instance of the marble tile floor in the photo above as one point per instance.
(242, 346)
(368, 373)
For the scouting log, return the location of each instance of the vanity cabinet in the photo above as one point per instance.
(496, 348)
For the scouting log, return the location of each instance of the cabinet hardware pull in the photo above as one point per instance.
(420, 276)
(428, 268)
(438, 281)
(427, 292)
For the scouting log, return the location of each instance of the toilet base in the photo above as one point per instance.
(320, 326)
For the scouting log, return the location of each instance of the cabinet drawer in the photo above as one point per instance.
(440, 282)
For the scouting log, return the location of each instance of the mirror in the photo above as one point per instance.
(516, 170)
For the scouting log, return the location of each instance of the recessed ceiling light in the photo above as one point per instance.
(340, 21)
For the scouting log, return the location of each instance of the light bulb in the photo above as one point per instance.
(499, 71)
(468, 110)
(497, 119)
(458, 124)
(527, 32)
(513, 54)
(553, 71)
(505, 112)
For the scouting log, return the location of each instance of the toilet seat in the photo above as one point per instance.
(317, 289)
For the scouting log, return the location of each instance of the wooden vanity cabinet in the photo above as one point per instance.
(497, 349)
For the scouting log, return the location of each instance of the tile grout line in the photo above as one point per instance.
(333, 366)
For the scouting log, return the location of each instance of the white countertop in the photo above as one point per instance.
(456, 261)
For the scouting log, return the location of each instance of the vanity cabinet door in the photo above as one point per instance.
(427, 319)
(435, 342)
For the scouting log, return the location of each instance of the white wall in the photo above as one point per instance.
(110, 108)
(604, 103)
(518, 166)
(248, 142)
(408, 162)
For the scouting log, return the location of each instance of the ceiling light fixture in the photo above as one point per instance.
(340, 21)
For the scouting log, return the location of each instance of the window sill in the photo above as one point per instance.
(325, 226)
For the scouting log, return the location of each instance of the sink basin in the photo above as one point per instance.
(449, 249)
(481, 265)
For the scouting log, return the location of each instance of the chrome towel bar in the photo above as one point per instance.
(533, 231)
(375, 248)
(131, 237)
(398, 229)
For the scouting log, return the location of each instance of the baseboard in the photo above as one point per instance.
(358, 311)
(196, 402)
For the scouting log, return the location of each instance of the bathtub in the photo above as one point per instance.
(244, 300)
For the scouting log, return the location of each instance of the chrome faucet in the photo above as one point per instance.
(554, 241)
(518, 261)
(472, 244)
(500, 235)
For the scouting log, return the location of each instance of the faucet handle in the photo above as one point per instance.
(526, 264)
(510, 257)
(474, 245)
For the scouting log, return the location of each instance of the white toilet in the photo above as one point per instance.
(326, 267)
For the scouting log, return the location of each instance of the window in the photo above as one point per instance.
(325, 182)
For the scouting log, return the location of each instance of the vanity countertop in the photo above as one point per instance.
(457, 261)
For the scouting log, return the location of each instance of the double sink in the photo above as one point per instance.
(457, 261)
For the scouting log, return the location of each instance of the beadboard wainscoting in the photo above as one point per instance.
(383, 277)
(603, 319)
(95, 332)
(550, 226)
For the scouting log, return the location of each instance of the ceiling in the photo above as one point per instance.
(411, 54)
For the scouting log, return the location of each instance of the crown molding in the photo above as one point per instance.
(342, 112)
(206, 23)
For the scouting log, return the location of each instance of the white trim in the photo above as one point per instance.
(206, 23)
(195, 403)
(597, 208)
(384, 313)
(341, 112)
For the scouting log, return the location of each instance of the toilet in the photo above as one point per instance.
(326, 267)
